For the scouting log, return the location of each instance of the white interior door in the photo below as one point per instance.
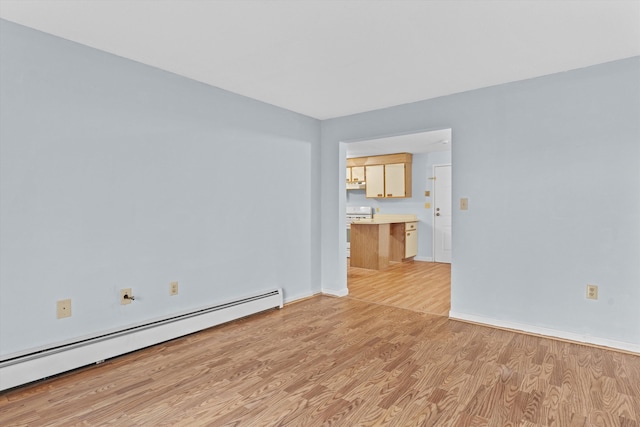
(442, 214)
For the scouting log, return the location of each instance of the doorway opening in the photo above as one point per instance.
(423, 284)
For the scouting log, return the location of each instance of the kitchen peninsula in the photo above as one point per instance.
(385, 238)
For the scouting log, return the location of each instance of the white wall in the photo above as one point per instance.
(115, 174)
(552, 169)
(422, 169)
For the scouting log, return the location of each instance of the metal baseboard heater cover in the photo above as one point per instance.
(25, 368)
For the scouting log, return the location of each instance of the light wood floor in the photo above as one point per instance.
(418, 286)
(343, 362)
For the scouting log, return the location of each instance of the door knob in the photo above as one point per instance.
(437, 209)
(438, 214)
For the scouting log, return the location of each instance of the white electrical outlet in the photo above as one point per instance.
(592, 292)
(173, 288)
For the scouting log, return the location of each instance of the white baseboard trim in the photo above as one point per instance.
(22, 369)
(288, 300)
(554, 333)
(423, 258)
(335, 293)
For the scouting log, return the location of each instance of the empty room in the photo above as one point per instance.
(307, 213)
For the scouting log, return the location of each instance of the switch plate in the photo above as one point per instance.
(464, 204)
(427, 205)
(427, 193)
(64, 308)
(173, 288)
(123, 292)
(592, 292)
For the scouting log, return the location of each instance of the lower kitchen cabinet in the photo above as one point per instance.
(411, 240)
(375, 244)
(404, 241)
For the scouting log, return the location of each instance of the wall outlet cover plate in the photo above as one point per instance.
(173, 288)
(464, 204)
(63, 308)
(123, 292)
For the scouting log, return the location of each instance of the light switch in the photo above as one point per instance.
(464, 204)
(427, 193)
(427, 205)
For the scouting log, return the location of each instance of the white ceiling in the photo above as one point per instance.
(332, 58)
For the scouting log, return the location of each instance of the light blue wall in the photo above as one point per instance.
(115, 174)
(422, 169)
(552, 169)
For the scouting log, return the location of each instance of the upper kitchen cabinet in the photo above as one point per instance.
(355, 173)
(387, 176)
(389, 181)
(355, 178)
(395, 180)
(375, 183)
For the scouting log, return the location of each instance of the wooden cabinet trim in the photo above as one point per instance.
(380, 160)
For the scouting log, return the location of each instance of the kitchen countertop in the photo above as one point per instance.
(387, 219)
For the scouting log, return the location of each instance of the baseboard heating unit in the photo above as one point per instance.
(20, 369)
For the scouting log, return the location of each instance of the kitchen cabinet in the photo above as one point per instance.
(404, 241)
(389, 181)
(377, 242)
(386, 176)
(410, 239)
(355, 174)
(375, 181)
(395, 180)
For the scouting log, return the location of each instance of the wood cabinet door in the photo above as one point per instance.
(411, 243)
(394, 180)
(348, 174)
(357, 173)
(375, 180)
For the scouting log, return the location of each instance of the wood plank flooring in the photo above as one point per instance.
(417, 285)
(329, 361)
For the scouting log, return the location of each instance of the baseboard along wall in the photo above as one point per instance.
(32, 366)
(547, 332)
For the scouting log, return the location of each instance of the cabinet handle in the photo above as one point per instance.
(379, 195)
(408, 234)
(389, 195)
